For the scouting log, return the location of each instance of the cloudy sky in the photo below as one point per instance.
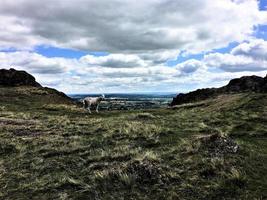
(91, 46)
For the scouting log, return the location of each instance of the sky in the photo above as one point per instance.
(107, 46)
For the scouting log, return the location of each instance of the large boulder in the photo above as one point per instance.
(14, 77)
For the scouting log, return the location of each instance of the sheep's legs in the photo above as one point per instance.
(88, 108)
(97, 108)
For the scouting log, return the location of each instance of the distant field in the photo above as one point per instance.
(53, 149)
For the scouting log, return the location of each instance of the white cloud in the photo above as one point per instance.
(256, 49)
(136, 72)
(114, 61)
(120, 26)
(33, 62)
(190, 66)
(130, 60)
(159, 57)
(113, 71)
(248, 56)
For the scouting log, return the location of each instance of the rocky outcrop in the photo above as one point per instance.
(243, 84)
(14, 77)
(11, 78)
(197, 95)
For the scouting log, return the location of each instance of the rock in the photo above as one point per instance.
(217, 145)
(14, 77)
(197, 95)
(243, 84)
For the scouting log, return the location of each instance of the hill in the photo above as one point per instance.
(20, 88)
(212, 149)
(238, 85)
(14, 77)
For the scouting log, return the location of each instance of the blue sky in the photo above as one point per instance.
(152, 46)
(263, 5)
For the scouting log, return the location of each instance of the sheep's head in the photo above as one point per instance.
(102, 97)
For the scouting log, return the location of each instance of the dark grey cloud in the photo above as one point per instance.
(251, 67)
(130, 26)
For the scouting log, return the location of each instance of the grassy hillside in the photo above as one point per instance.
(52, 149)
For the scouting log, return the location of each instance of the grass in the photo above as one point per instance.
(54, 150)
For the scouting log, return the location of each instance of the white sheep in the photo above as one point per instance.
(89, 101)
